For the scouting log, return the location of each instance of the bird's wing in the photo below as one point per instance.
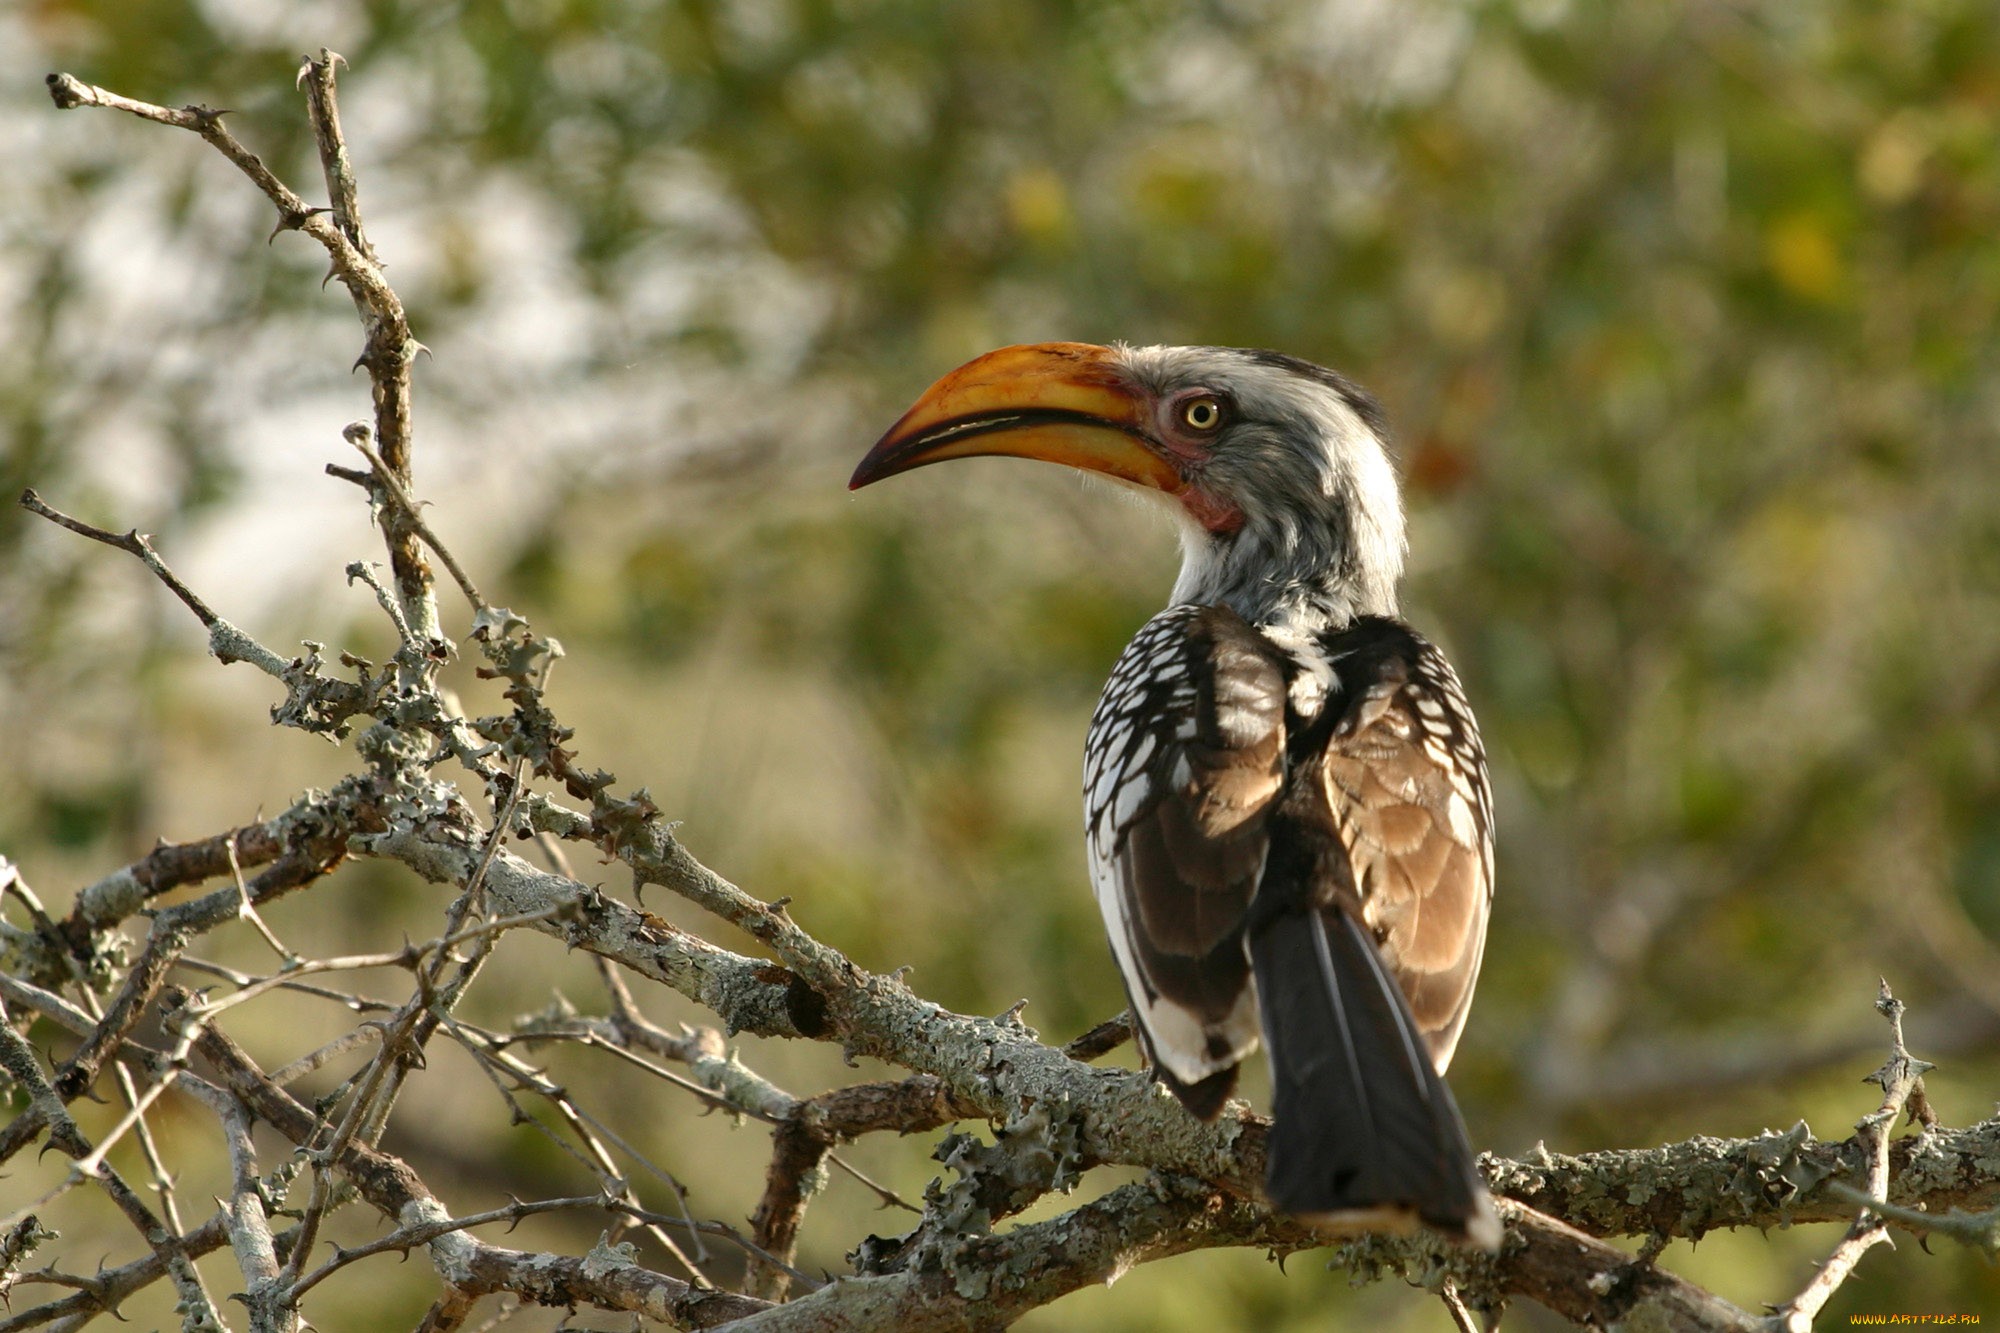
(1406, 784)
(1366, 938)
(1184, 762)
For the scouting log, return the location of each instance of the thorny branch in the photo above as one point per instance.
(1902, 1084)
(1054, 1117)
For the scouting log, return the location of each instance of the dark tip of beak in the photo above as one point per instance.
(880, 462)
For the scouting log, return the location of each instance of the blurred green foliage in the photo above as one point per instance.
(1684, 315)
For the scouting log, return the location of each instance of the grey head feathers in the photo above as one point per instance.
(1304, 456)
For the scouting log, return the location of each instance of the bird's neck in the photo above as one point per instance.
(1292, 584)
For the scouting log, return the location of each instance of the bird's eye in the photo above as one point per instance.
(1202, 414)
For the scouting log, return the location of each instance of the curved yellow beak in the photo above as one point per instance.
(1059, 402)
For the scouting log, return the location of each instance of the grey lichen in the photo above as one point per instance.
(16, 1244)
(607, 1257)
(111, 899)
(314, 701)
(228, 644)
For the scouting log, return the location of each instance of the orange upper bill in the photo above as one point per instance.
(1060, 402)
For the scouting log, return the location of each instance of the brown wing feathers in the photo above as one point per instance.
(1366, 936)
(1342, 859)
(1405, 781)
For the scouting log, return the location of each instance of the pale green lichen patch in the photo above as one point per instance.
(111, 899)
(608, 1257)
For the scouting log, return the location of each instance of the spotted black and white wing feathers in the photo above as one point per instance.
(1184, 761)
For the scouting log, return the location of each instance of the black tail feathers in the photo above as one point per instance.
(1365, 1129)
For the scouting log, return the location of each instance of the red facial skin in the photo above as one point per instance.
(1188, 450)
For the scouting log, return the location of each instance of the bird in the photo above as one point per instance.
(1287, 814)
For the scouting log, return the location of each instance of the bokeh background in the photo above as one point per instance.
(1684, 315)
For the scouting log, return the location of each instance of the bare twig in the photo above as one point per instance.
(1978, 1230)
(587, 1128)
(249, 908)
(316, 77)
(610, 1281)
(389, 349)
(357, 435)
(167, 867)
(226, 642)
(359, 1004)
(436, 996)
(704, 1051)
(1454, 1304)
(1101, 1040)
(405, 1239)
(273, 1309)
(1901, 1081)
(132, 542)
(104, 1292)
(20, 1064)
(18, 1060)
(142, 983)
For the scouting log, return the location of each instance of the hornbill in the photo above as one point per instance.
(1285, 795)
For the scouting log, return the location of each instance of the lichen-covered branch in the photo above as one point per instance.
(1688, 1189)
(19, 1062)
(611, 1280)
(987, 1281)
(169, 866)
(105, 1291)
